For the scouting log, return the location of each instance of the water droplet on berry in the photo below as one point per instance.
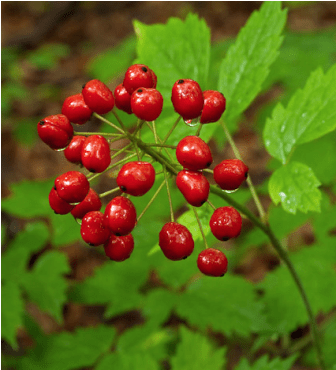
(192, 122)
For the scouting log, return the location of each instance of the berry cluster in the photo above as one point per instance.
(138, 95)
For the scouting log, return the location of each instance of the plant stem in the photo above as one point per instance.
(200, 227)
(97, 133)
(169, 195)
(109, 192)
(152, 199)
(199, 130)
(248, 180)
(171, 130)
(108, 122)
(163, 146)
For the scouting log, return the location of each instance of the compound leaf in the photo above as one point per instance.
(197, 352)
(226, 304)
(309, 115)
(295, 186)
(46, 285)
(12, 308)
(67, 351)
(248, 60)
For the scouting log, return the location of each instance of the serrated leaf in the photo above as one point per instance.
(28, 199)
(67, 351)
(283, 304)
(309, 115)
(111, 62)
(46, 285)
(15, 258)
(196, 352)
(248, 60)
(295, 186)
(328, 347)
(225, 304)
(127, 361)
(12, 308)
(264, 363)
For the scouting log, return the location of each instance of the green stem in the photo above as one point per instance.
(199, 130)
(152, 199)
(109, 192)
(200, 227)
(97, 133)
(108, 122)
(162, 146)
(171, 130)
(169, 195)
(248, 180)
(158, 138)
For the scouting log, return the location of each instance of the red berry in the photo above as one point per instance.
(58, 205)
(194, 186)
(98, 97)
(176, 241)
(212, 262)
(73, 152)
(72, 186)
(90, 203)
(93, 229)
(136, 178)
(225, 223)
(187, 98)
(76, 110)
(96, 153)
(56, 131)
(214, 106)
(119, 248)
(193, 153)
(120, 216)
(138, 75)
(147, 103)
(230, 174)
(154, 79)
(122, 99)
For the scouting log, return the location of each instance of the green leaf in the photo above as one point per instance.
(225, 304)
(128, 361)
(15, 259)
(324, 222)
(328, 347)
(67, 351)
(178, 49)
(283, 304)
(309, 115)
(29, 199)
(111, 62)
(47, 56)
(46, 285)
(264, 363)
(65, 229)
(25, 131)
(295, 186)
(12, 308)
(196, 352)
(248, 60)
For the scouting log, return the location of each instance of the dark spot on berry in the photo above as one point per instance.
(117, 234)
(208, 164)
(42, 123)
(180, 81)
(246, 175)
(56, 213)
(91, 245)
(184, 257)
(203, 202)
(54, 187)
(92, 170)
(221, 275)
(123, 188)
(139, 90)
(225, 239)
(144, 69)
(83, 86)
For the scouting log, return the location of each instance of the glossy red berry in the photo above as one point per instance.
(73, 152)
(98, 97)
(56, 131)
(122, 99)
(119, 248)
(147, 103)
(76, 110)
(214, 106)
(95, 154)
(93, 229)
(212, 262)
(176, 241)
(136, 178)
(230, 174)
(194, 186)
(193, 153)
(154, 77)
(58, 205)
(90, 203)
(72, 186)
(138, 75)
(225, 223)
(120, 216)
(187, 98)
